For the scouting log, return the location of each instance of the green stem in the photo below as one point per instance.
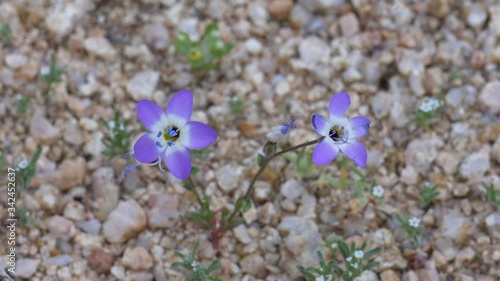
(263, 167)
(195, 192)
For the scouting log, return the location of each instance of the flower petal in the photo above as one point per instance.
(320, 124)
(178, 161)
(325, 152)
(145, 149)
(180, 107)
(339, 104)
(150, 114)
(360, 126)
(356, 151)
(196, 135)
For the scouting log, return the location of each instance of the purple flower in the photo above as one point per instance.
(278, 132)
(171, 134)
(341, 134)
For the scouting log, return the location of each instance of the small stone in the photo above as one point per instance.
(313, 50)
(189, 26)
(282, 88)
(25, 268)
(461, 96)
(125, 222)
(16, 60)
(228, 177)
(448, 161)
(253, 46)
(266, 213)
(490, 97)
(100, 47)
(92, 227)
(476, 16)
(464, 256)
(328, 4)
(389, 275)
(280, 9)
(349, 25)
(61, 227)
(47, 195)
(460, 190)
(74, 211)
(475, 165)
(62, 17)
(143, 84)
(299, 16)
(43, 132)
(101, 260)
(440, 8)
(420, 153)
(71, 173)
(494, 25)
(351, 75)
(455, 226)
(241, 234)
(262, 191)
(292, 189)
(139, 276)
(156, 36)
(367, 275)
(381, 104)
(253, 264)
(492, 222)
(105, 191)
(162, 209)
(391, 258)
(258, 12)
(137, 259)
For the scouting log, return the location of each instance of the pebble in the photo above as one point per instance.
(262, 191)
(460, 190)
(16, 60)
(105, 191)
(162, 208)
(420, 153)
(70, 173)
(494, 11)
(156, 36)
(367, 275)
(448, 161)
(137, 258)
(490, 97)
(253, 264)
(74, 211)
(26, 267)
(125, 222)
(299, 16)
(280, 9)
(266, 213)
(253, 46)
(92, 227)
(391, 258)
(492, 222)
(101, 260)
(62, 17)
(454, 226)
(475, 165)
(292, 189)
(43, 131)
(241, 234)
(302, 239)
(476, 16)
(189, 26)
(389, 275)
(142, 85)
(313, 50)
(47, 195)
(258, 13)
(100, 47)
(60, 227)
(228, 177)
(349, 25)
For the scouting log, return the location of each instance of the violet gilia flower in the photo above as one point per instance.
(341, 133)
(171, 134)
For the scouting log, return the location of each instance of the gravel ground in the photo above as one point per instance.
(90, 223)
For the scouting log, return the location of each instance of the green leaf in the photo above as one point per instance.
(372, 253)
(344, 250)
(244, 204)
(371, 265)
(260, 159)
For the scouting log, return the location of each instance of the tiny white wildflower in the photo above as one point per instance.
(219, 45)
(358, 254)
(429, 105)
(329, 277)
(415, 222)
(355, 265)
(348, 259)
(23, 164)
(194, 264)
(378, 191)
(320, 278)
